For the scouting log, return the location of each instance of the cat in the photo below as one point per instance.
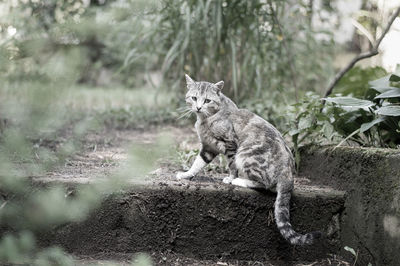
(255, 150)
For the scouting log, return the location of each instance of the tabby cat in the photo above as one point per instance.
(256, 151)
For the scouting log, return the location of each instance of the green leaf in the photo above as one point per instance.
(380, 83)
(394, 92)
(350, 102)
(328, 130)
(355, 82)
(384, 89)
(389, 110)
(305, 122)
(394, 77)
(364, 127)
(293, 132)
(351, 250)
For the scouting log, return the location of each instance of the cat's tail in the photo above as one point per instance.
(282, 218)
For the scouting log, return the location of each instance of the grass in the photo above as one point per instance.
(84, 98)
(124, 108)
(118, 107)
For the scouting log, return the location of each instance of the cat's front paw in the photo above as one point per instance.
(228, 179)
(183, 175)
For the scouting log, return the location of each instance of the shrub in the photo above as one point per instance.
(371, 121)
(257, 47)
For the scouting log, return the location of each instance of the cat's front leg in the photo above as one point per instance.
(204, 158)
(221, 146)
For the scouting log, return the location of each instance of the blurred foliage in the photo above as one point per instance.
(261, 49)
(128, 118)
(42, 33)
(30, 145)
(28, 150)
(36, 136)
(46, 48)
(266, 51)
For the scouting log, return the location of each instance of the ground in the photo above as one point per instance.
(105, 152)
(172, 259)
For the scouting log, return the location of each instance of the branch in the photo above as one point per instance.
(372, 52)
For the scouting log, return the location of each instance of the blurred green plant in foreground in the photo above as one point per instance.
(37, 135)
(30, 146)
(45, 50)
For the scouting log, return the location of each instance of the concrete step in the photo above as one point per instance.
(371, 179)
(203, 218)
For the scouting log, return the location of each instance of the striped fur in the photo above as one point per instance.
(256, 151)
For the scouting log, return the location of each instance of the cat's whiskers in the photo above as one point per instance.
(186, 112)
(183, 109)
(185, 116)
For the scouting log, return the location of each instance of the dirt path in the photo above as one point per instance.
(104, 152)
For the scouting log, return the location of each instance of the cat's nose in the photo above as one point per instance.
(198, 108)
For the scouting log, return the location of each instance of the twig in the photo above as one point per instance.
(372, 52)
(3, 204)
(355, 260)
(347, 138)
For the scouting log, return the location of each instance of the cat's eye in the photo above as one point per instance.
(207, 101)
(194, 98)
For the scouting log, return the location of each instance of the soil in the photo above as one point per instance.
(105, 152)
(174, 259)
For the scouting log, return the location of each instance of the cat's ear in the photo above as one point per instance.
(189, 81)
(219, 85)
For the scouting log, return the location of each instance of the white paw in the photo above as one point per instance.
(228, 179)
(183, 175)
(242, 182)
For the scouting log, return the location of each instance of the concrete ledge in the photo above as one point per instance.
(206, 220)
(371, 177)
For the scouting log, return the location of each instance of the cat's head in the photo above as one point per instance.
(203, 97)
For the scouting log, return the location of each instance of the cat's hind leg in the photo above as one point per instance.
(251, 171)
